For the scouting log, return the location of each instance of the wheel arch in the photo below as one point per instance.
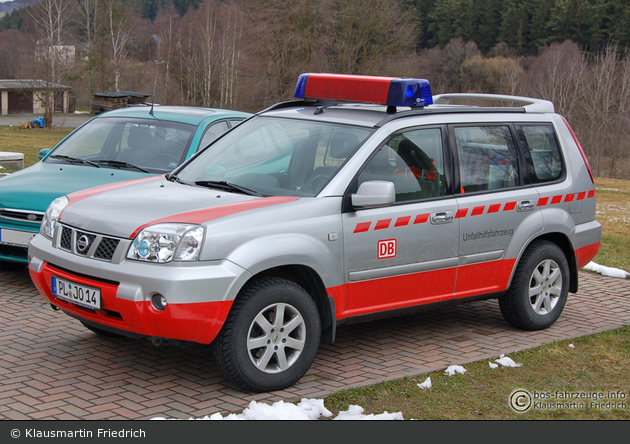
(307, 278)
(562, 241)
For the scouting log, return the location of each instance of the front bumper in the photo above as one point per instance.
(199, 294)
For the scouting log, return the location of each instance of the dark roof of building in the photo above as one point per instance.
(31, 84)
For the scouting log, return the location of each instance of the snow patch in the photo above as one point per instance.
(426, 384)
(452, 369)
(606, 271)
(507, 362)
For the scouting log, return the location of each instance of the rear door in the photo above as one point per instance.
(403, 254)
(497, 210)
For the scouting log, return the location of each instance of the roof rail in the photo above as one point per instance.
(531, 105)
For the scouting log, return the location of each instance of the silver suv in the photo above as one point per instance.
(365, 197)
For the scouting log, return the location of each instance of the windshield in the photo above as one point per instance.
(275, 156)
(151, 146)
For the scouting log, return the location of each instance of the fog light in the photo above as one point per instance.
(158, 301)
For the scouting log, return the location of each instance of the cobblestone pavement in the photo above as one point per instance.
(51, 367)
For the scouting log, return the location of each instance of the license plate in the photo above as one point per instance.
(14, 237)
(83, 295)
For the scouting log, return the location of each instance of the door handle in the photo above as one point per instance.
(525, 205)
(442, 217)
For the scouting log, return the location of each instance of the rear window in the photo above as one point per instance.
(541, 152)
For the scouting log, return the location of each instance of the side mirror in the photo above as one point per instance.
(43, 153)
(374, 193)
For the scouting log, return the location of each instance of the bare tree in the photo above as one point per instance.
(118, 25)
(88, 27)
(52, 57)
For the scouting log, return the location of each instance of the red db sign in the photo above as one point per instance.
(386, 248)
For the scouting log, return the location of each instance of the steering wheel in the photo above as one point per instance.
(318, 182)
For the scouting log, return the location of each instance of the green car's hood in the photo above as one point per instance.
(35, 187)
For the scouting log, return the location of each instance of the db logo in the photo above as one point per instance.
(386, 248)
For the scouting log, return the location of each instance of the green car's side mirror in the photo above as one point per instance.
(43, 153)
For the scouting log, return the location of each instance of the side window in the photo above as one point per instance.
(413, 161)
(487, 158)
(541, 152)
(212, 132)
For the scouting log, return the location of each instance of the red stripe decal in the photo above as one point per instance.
(569, 197)
(586, 254)
(461, 213)
(477, 211)
(543, 201)
(581, 196)
(591, 194)
(402, 221)
(362, 227)
(82, 194)
(494, 208)
(207, 214)
(421, 218)
(382, 224)
(509, 206)
(556, 200)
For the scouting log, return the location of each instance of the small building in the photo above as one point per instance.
(28, 96)
(119, 99)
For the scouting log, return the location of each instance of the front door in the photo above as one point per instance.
(403, 254)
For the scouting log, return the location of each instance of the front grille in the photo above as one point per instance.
(22, 215)
(106, 248)
(86, 244)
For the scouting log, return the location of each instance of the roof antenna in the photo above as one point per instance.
(152, 102)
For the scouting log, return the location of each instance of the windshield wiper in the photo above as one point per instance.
(119, 164)
(74, 160)
(226, 186)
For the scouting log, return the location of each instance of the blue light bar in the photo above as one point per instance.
(391, 91)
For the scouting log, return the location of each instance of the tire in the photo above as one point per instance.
(539, 288)
(255, 350)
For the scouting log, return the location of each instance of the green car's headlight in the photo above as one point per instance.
(167, 242)
(51, 216)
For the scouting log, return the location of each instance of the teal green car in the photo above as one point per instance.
(123, 144)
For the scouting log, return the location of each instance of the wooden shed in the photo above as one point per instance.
(28, 96)
(111, 100)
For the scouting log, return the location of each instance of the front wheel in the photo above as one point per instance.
(539, 288)
(271, 336)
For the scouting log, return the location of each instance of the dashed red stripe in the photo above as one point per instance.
(509, 206)
(477, 211)
(382, 224)
(421, 218)
(402, 221)
(362, 227)
(494, 208)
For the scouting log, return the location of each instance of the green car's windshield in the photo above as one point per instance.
(275, 156)
(145, 145)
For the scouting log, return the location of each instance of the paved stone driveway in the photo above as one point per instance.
(53, 368)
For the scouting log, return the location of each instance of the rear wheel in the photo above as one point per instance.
(270, 337)
(539, 288)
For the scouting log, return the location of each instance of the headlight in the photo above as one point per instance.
(51, 215)
(167, 242)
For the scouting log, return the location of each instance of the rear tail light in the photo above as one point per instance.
(579, 145)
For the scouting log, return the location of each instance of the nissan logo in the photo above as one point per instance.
(83, 243)
(32, 216)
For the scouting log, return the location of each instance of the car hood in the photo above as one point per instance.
(122, 210)
(35, 187)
